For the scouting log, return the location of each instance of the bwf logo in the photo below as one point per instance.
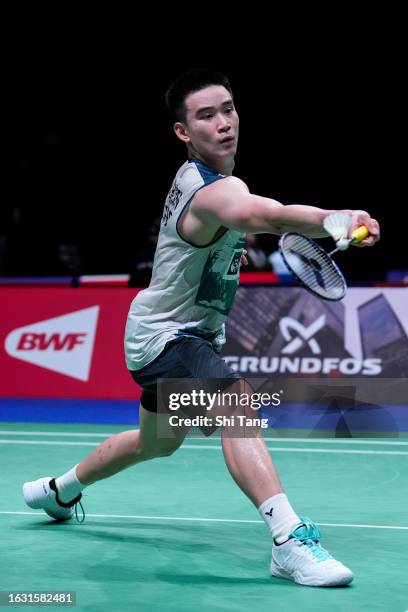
(59, 342)
(63, 344)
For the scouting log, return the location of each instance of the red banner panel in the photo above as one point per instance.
(64, 342)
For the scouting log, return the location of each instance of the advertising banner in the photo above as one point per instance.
(285, 331)
(68, 343)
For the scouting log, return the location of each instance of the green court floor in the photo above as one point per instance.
(177, 534)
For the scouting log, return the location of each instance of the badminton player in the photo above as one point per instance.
(175, 327)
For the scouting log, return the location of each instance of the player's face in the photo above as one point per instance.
(211, 127)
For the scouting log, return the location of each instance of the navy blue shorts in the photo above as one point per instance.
(185, 358)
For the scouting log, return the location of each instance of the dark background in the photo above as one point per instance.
(90, 153)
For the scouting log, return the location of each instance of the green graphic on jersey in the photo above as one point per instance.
(220, 277)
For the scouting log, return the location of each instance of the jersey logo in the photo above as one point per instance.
(234, 265)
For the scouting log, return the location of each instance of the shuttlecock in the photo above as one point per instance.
(337, 225)
(343, 244)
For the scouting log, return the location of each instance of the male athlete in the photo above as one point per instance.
(175, 327)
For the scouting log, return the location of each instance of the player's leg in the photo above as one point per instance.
(155, 438)
(250, 464)
(296, 554)
(246, 456)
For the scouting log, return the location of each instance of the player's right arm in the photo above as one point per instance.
(229, 203)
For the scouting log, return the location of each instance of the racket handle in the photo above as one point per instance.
(360, 233)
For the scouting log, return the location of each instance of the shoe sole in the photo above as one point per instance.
(342, 580)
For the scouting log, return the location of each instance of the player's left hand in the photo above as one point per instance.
(244, 258)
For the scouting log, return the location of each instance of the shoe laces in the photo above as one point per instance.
(76, 512)
(307, 533)
(74, 503)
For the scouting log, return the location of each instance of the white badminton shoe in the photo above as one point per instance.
(42, 493)
(302, 559)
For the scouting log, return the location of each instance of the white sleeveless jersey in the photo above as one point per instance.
(192, 287)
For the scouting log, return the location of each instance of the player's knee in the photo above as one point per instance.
(167, 450)
(141, 453)
(144, 453)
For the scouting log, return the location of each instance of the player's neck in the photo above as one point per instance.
(224, 166)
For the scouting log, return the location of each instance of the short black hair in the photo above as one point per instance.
(189, 82)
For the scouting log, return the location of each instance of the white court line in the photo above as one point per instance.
(48, 443)
(68, 434)
(335, 441)
(206, 447)
(308, 450)
(210, 520)
(268, 439)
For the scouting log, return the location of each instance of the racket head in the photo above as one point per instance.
(312, 266)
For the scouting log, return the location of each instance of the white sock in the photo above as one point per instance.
(68, 486)
(279, 515)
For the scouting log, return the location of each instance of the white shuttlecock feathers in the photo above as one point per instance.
(337, 225)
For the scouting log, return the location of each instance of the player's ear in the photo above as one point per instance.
(181, 131)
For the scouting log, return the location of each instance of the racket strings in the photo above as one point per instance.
(312, 266)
